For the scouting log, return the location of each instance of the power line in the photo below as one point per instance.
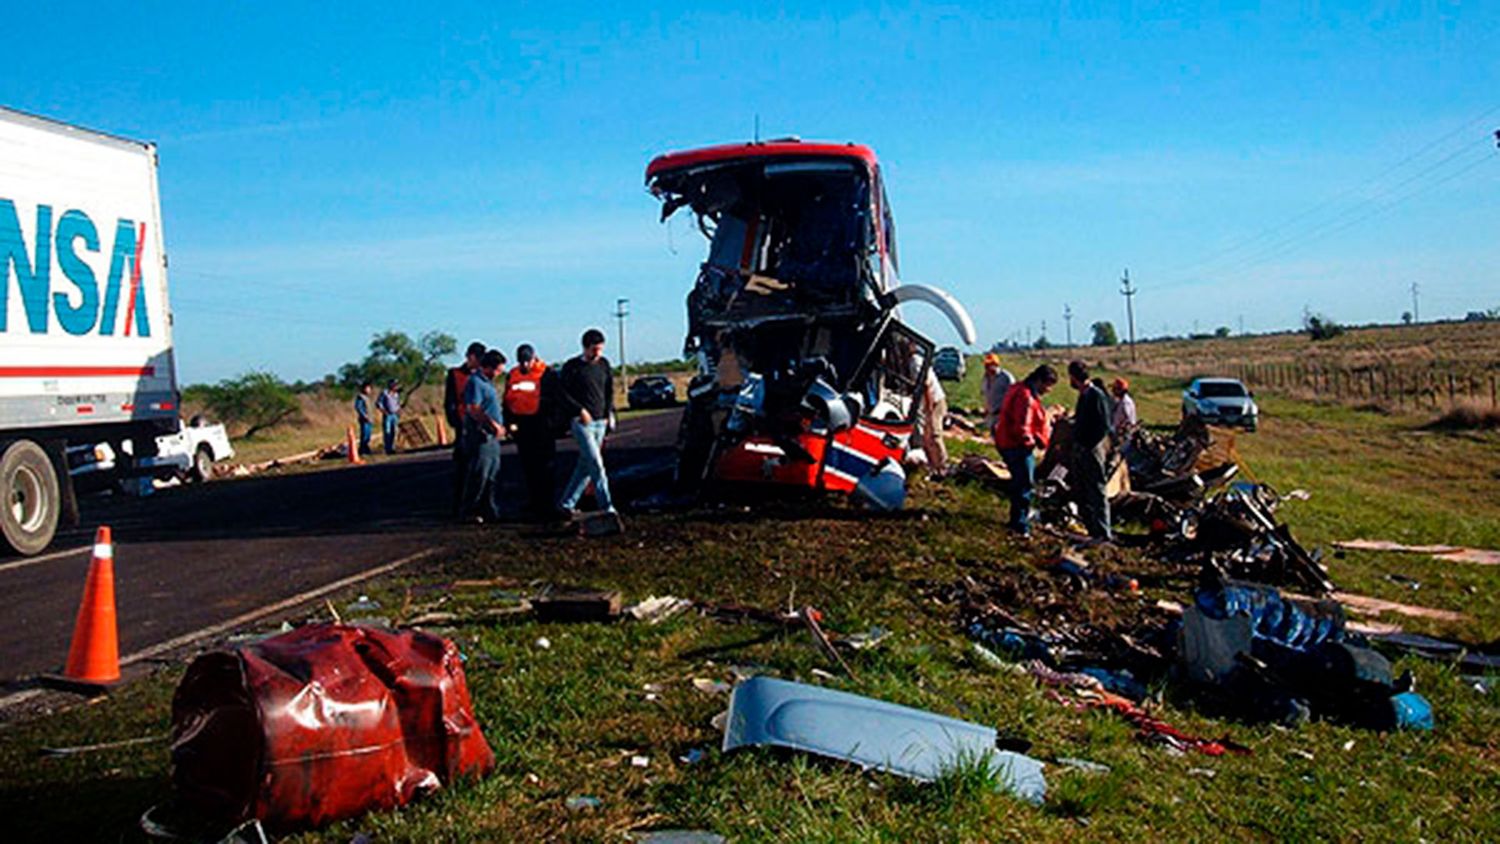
(1334, 200)
(1129, 293)
(1343, 221)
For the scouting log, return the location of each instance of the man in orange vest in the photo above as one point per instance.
(454, 412)
(528, 405)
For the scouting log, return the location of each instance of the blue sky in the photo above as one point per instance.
(333, 171)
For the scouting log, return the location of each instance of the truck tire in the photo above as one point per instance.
(32, 497)
(203, 465)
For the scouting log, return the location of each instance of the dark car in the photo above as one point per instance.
(949, 364)
(652, 391)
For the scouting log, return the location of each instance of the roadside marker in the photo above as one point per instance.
(94, 657)
(353, 448)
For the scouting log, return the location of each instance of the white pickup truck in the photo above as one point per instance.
(188, 455)
(86, 352)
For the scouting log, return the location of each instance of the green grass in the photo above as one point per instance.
(564, 720)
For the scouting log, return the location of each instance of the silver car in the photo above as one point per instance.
(1221, 401)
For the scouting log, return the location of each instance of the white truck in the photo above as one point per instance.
(85, 327)
(188, 455)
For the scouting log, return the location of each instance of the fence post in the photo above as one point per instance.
(1450, 389)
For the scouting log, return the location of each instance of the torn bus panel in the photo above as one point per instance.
(807, 375)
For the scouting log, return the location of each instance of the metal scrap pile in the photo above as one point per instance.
(1183, 489)
(1240, 646)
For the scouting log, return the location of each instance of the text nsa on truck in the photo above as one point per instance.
(85, 328)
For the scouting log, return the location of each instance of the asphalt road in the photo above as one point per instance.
(188, 558)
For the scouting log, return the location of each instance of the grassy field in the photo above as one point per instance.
(565, 719)
(1431, 365)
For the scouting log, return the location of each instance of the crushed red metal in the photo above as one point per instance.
(323, 723)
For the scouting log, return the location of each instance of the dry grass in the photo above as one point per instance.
(1467, 417)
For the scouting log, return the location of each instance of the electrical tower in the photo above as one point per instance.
(1129, 293)
(622, 310)
(1416, 315)
(1068, 319)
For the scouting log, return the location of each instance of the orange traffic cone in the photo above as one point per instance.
(442, 431)
(94, 658)
(352, 446)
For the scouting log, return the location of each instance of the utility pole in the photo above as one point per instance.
(622, 310)
(1068, 318)
(1242, 325)
(1129, 293)
(1416, 315)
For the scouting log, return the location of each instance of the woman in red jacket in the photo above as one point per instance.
(1022, 429)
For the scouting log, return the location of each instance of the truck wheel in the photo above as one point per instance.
(203, 465)
(32, 498)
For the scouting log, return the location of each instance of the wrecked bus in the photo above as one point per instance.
(807, 375)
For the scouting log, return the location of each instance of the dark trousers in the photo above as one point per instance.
(366, 430)
(1088, 481)
(537, 448)
(482, 482)
(460, 475)
(1021, 463)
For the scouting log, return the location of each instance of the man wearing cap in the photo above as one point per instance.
(454, 411)
(483, 427)
(389, 405)
(530, 391)
(997, 381)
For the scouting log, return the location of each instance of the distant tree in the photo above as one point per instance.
(1041, 343)
(1320, 327)
(1406, 317)
(1104, 333)
(394, 355)
(1221, 332)
(256, 400)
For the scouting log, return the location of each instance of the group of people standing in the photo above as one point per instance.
(530, 404)
(388, 403)
(1022, 428)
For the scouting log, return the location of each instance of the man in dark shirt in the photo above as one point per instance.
(1090, 452)
(483, 424)
(362, 410)
(454, 412)
(588, 394)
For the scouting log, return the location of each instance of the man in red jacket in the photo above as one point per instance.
(1022, 429)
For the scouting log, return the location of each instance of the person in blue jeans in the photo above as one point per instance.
(484, 424)
(362, 410)
(1022, 428)
(588, 393)
(389, 405)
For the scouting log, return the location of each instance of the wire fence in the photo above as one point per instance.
(1419, 387)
